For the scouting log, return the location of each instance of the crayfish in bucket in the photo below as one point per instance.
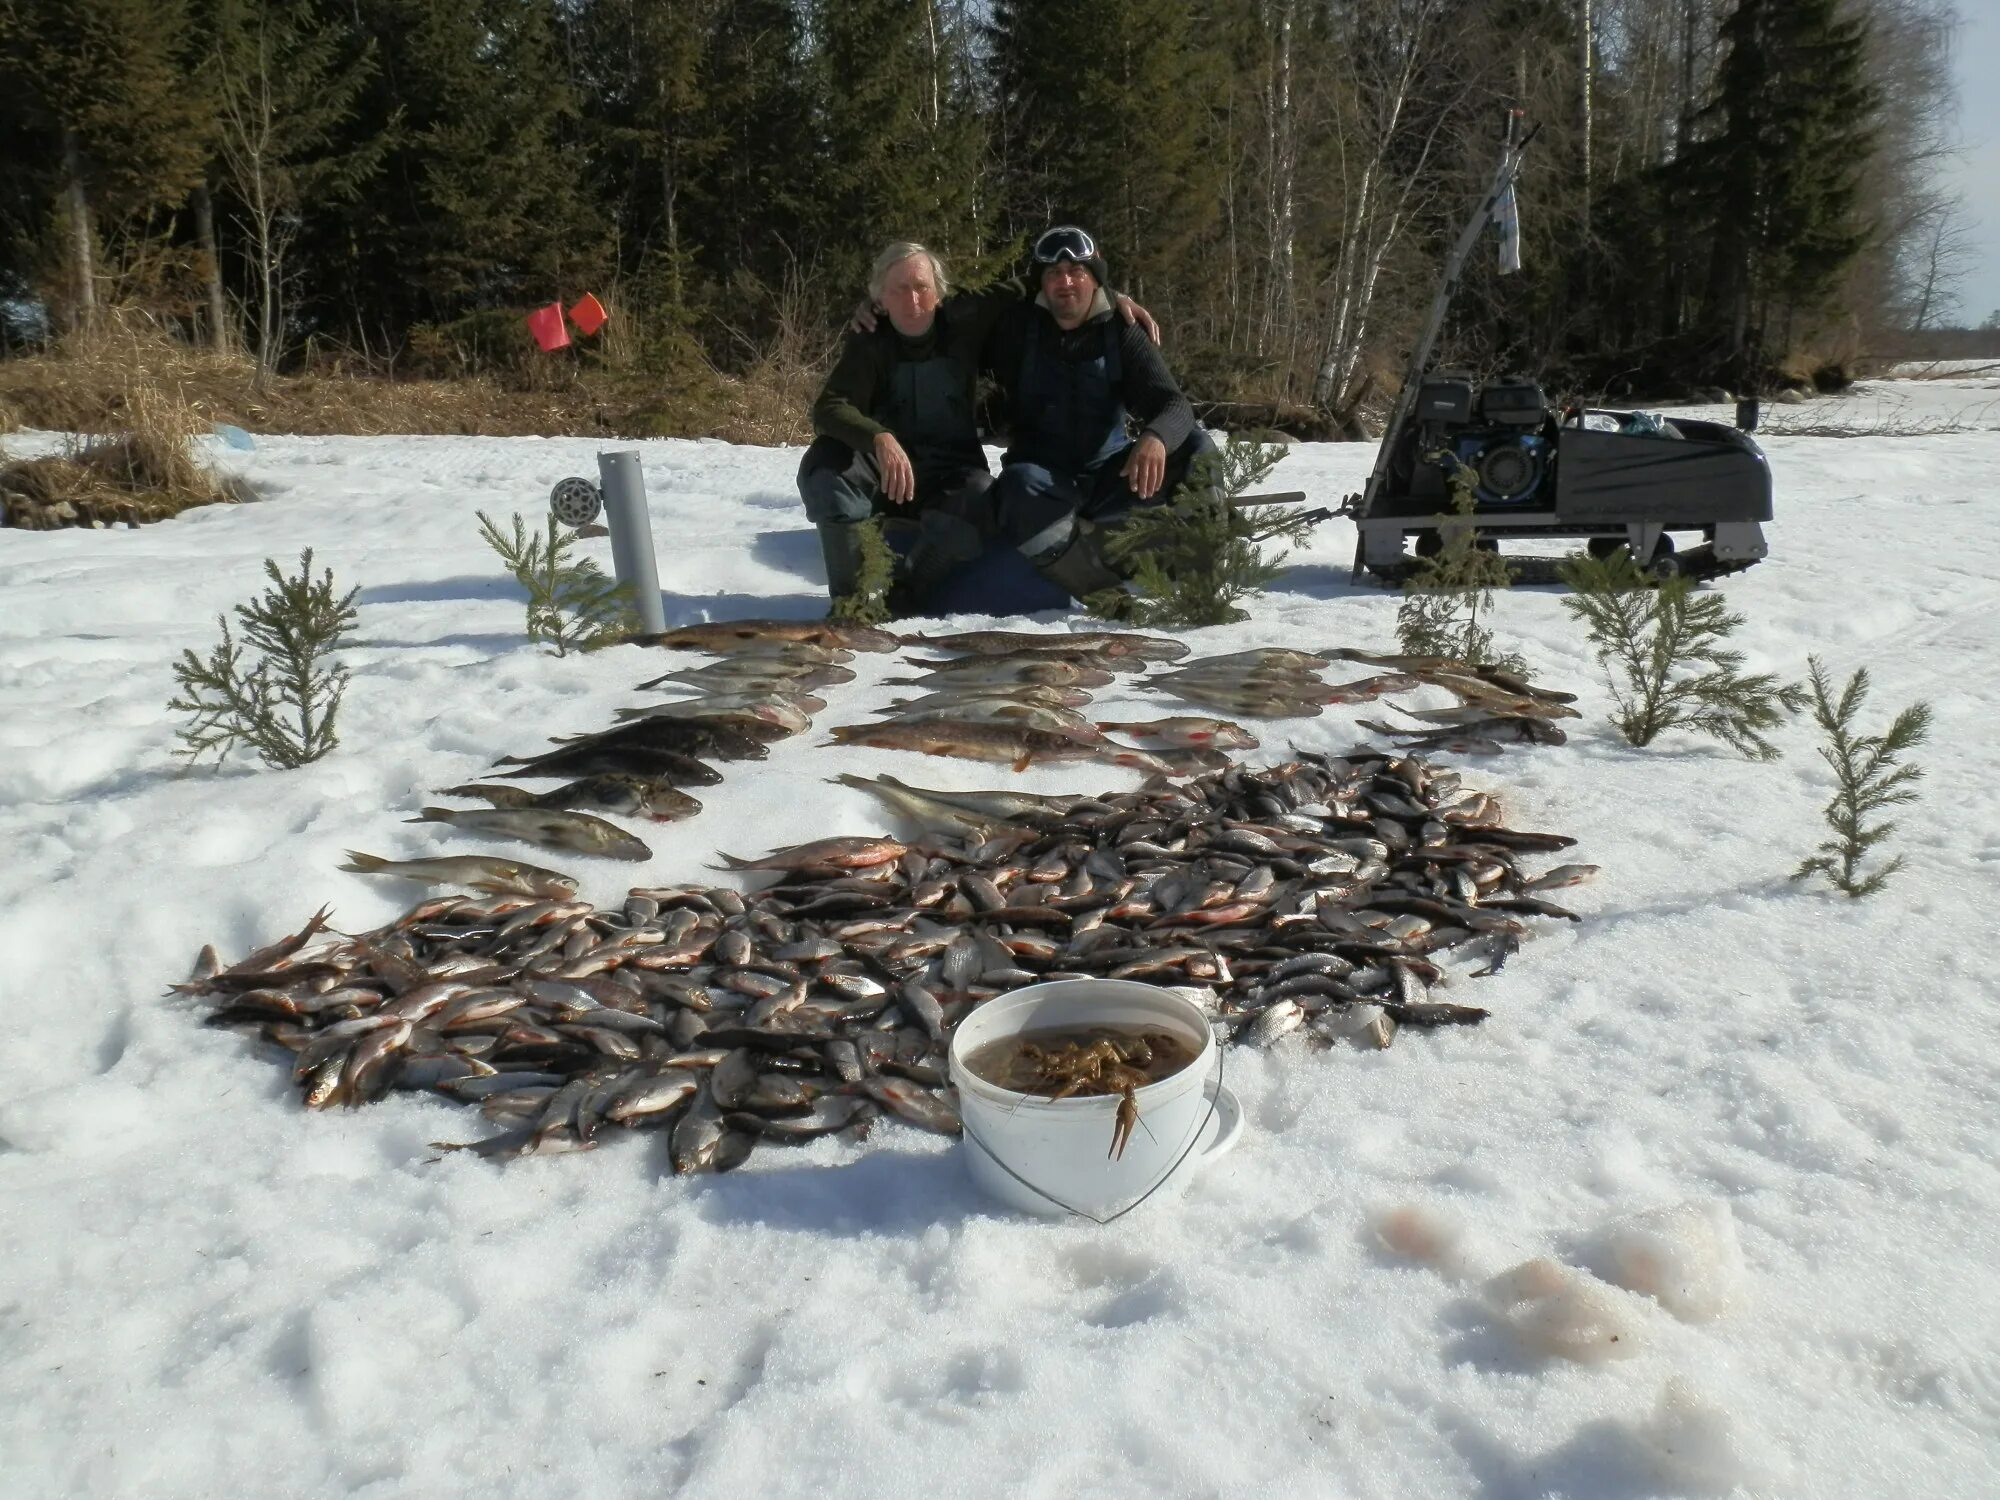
(1083, 1062)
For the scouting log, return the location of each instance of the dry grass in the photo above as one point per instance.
(146, 471)
(89, 385)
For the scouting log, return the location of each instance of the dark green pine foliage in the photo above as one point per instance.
(1870, 776)
(286, 703)
(1195, 559)
(1448, 596)
(286, 77)
(901, 143)
(572, 604)
(869, 603)
(1775, 182)
(1104, 117)
(103, 120)
(479, 203)
(1666, 654)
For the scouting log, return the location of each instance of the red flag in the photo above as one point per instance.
(588, 314)
(546, 324)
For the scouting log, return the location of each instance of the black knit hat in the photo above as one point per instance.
(1067, 242)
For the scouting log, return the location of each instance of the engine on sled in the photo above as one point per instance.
(1611, 478)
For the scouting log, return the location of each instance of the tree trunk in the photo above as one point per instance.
(1583, 8)
(218, 304)
(83, 272)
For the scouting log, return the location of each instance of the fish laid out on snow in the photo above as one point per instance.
(579, 833)
(1043, 671)
(669, 766)
(633, 796)
(1264, 657)
(987, 807)
(476, 872)
(721, 636)
(1003, 744)
(730, 670)
(1008, 642)
(999, 711)
(943, 696)
(791, 711)
(1313, 902)
(703, 738)
(1188, 731)
(839, 853)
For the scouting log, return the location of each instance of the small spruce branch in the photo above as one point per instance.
(1667, 662)
(1869, 775)
(285, 705)
(1447, 594)
(1193, 559)
(868, 604)
(572, 605)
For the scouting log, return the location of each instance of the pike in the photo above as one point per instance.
(669, 766)
(727, 635)
(851, 853)
(632, 796)
(579, 833)
(730, 671)
(478, 872)
(990, 671)
(1007, 642)
(695, 736)
(791, 713)
(1186, 732)
(1004, 744)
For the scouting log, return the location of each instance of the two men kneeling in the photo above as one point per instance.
(895, 429)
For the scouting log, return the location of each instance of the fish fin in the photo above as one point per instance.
(1023, 761)
(432, 815)
(513, 760)
(731, 862)
(363, 863)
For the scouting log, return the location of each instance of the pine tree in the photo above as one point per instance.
(1194, 558)
(1776, 185)
(868, 604)
(104, 88)
(1448, 592)
(1666, 659)
(286, 704)
(901, 144)
(479, 202)
(1103, 120)
(285, 76)
(1869, 777)
(571, 603)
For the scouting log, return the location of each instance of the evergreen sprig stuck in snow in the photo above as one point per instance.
(868, 604)
(1194, 558)
(285, 706)
(1446, 596)
(1869, 775)
(572, 605)
(1666, 657)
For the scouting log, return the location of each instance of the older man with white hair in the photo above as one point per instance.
(893, 424)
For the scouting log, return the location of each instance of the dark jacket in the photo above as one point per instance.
(1033, 357)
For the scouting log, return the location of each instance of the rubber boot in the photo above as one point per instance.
(944, 544)
(840, 545)
(1079, 568)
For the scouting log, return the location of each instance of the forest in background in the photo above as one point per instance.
(1735, 193)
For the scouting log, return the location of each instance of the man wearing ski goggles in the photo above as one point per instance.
(1074, 375)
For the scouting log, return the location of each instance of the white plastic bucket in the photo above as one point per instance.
(1052, 1156)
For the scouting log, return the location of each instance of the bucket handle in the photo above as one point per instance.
(1083, 1213)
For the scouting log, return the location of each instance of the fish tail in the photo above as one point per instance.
(365, 864)
(731, 862)
(432, 815)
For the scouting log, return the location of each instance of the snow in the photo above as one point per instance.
(1751, 1124)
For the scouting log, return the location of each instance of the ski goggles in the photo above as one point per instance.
(1064, 242)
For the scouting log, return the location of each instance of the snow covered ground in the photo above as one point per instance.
(204, 1290)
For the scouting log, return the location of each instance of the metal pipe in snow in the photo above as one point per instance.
(632, 535)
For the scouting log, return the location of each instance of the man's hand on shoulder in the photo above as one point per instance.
(864, 317)
(1146, 466)
(1136, 315)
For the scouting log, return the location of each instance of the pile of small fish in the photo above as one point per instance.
(1319, 894)
(759, 689)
